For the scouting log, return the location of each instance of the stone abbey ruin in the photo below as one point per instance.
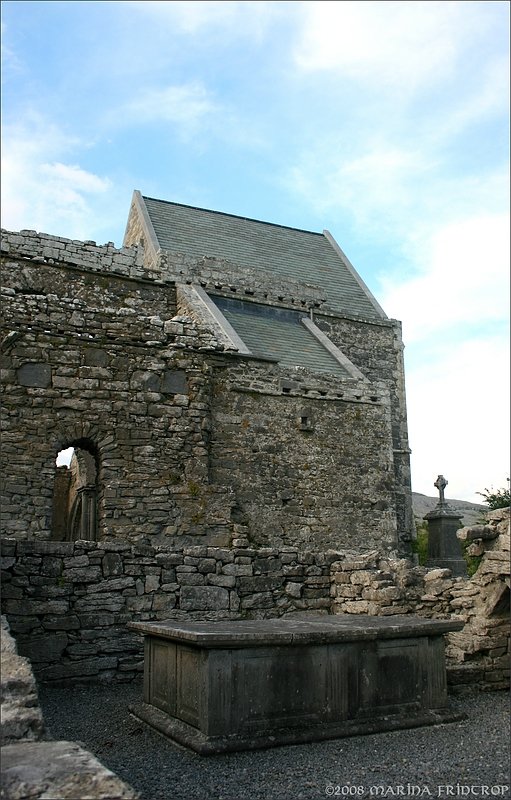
(223, 378)
(235, 399)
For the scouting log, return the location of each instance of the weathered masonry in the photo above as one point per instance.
(223, 381)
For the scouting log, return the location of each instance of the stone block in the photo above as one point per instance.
(152, 583)
(27, 547)
(111, 564)
(382, 595)
(237, 569)
(259, 583)
(174, 381)
(82, 574)
(113, 546)
(436, 574)
(58, 769)
(99, 620)
(48, 648)
(78, 669)
(220, 554)
(293, 589)
(207, 565)
(204, 598)
(356, 607)
(65, 622)
(138, 604)
(52, 566)
(111, 585)
(348, 591)
(76, 561)
(27, 608)
(100, 602)
(163, 602)
(362, 577)
(191, 579)
(34, 375)
(258, 600)
(168, 560)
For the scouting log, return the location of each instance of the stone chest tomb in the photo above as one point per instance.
(248, 684)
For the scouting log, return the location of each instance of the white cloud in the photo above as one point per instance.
(71, 178)
(401, 45)
(458, 417)
(184, 106)
(39, 190)
(455, 316)
(464, 279)
(393, 189)
(236, 17)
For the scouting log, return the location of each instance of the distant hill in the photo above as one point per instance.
(472, 513)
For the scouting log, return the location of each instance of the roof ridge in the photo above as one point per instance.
(234, 216)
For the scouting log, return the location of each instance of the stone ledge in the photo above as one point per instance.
(44, 770)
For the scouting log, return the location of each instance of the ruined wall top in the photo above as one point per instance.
(47, 249)
(215, 275)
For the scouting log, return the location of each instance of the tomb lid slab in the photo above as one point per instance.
(256, 633)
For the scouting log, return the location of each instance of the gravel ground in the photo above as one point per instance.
(453, 760)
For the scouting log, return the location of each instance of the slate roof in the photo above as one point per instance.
(291, 252)
(278, 333)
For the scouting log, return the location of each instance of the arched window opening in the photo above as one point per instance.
(75, 493)
(64, 457)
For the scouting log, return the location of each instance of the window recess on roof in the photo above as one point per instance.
(279, 333)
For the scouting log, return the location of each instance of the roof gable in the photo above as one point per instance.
(291, 252)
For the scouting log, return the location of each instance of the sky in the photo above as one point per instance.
(386, 123)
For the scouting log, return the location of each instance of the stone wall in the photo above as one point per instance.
(377, 350)
(113, 371)
(68, 603)
(477, 655)
(22, 719)
(43, 248)
(98, 354)
(310, 462)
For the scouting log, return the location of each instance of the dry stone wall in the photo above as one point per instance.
(68, 603)
(43, 248)
(479, 654)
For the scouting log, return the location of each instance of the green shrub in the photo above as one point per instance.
(499, 498)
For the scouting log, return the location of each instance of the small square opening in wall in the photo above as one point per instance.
(305, 422)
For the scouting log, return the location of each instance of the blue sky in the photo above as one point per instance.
(387, 123)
